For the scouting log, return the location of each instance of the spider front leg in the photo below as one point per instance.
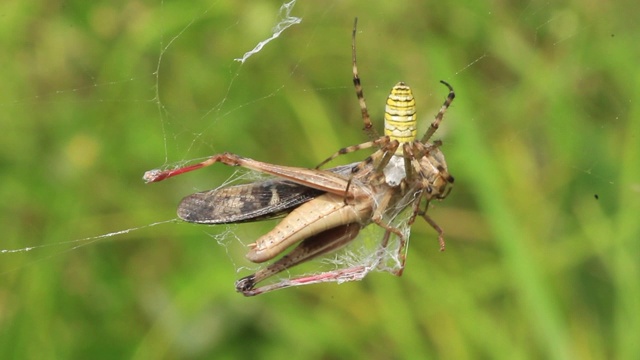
(366, 119)
(436, 122)
(380, 142)
(379, 159)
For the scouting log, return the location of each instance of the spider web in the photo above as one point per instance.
(188, 125)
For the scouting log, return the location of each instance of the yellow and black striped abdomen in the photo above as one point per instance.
(400, 115)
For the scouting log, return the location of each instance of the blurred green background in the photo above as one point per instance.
(542, 226)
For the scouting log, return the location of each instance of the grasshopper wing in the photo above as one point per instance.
(261, 200)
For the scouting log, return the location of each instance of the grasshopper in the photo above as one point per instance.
(326, 209)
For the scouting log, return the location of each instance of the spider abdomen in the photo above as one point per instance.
(400, 115)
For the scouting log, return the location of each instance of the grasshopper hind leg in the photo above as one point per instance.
(317, 245)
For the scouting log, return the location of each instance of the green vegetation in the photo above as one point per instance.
(543, 138)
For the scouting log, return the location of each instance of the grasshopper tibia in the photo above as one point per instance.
(319, 244)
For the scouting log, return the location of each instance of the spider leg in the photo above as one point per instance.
(436, 122)
(366, 119)
(378, 218)
(381, 142)
(401, 252)
(436, 227)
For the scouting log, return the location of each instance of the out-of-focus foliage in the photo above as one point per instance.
(543, 138)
